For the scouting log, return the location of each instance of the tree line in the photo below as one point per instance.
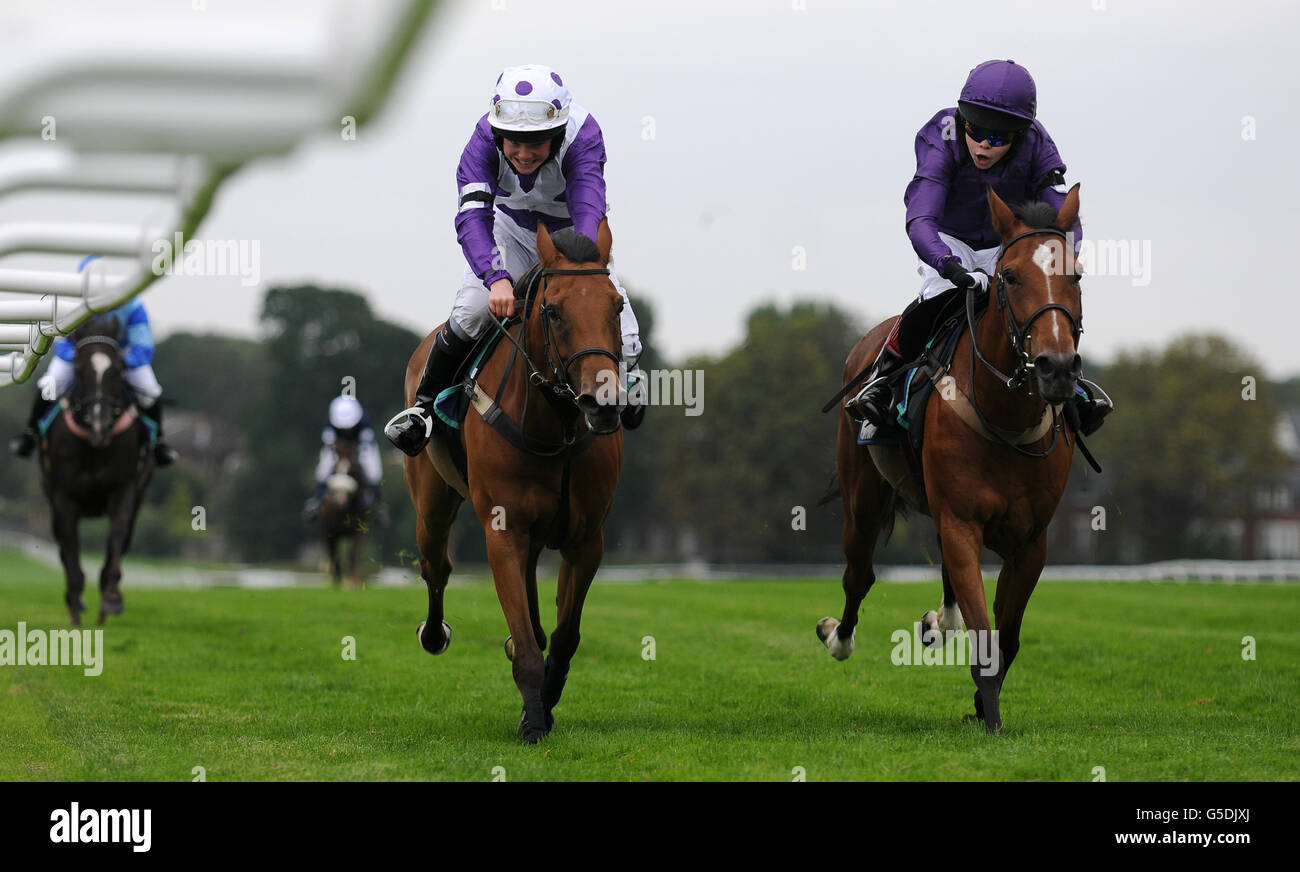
(1194, 440)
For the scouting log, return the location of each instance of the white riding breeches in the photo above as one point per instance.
(933, 284)
(59, 377)
(518, 248)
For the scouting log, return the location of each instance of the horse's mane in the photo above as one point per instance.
(99, 325)
(1035, 213)
(575, 246)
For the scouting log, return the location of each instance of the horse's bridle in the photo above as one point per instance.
(557, 386)
(1018, 335)
(75, 404)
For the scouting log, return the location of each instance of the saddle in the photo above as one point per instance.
(918, 380)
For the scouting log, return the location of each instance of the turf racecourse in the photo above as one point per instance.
(1145, 680)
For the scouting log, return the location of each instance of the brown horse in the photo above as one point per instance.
(344, 512)
(996, 454)
(550, 485)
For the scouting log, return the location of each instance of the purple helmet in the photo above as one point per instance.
(999, 95)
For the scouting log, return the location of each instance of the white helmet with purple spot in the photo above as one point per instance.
(530, 104)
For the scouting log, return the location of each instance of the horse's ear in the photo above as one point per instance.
(1069, 210)
(604, 241)
(545, 248)
(1003, 219)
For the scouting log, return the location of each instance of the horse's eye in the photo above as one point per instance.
(553, 313)
(621, 304)
(1010, 278)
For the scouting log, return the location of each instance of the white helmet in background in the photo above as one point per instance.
(530, 104)
(345, 413)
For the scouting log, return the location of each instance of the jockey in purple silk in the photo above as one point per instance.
(534, 156)
(991, 138)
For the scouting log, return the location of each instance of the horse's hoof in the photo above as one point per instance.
(509, 646)
(828, 632)
(993, 728)
(446, 632)
(931, 637)
(532, 735)
(112, 606)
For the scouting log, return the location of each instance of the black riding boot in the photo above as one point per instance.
(411, 434)
(163, 454)
(1088, 408)
(24, 443)
(874, 402)
(634, 413)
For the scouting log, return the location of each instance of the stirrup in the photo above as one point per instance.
(857, 407)
(403, 435)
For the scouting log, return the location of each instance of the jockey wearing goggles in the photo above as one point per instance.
(991, 138)
(536, 155)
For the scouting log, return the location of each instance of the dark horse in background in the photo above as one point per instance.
(95, 460)
(345, 511)
(996, 454)
(551, 483)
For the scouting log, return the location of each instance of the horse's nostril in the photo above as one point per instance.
(1045, 366)
(588, 404)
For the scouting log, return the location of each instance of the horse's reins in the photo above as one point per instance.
(1018, 336)
(556, 389)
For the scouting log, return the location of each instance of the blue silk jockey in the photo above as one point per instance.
(536, 155)
(348, 421)
(136, 344)
(990, 138)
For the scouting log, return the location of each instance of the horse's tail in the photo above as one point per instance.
(832, 491)
(897, 507)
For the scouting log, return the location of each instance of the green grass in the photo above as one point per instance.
(1146, 680)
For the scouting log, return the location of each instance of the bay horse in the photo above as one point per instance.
(996, 453)
(548, 484)
(345, 512)
(95, 460)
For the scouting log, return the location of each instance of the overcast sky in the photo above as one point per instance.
(737, 131)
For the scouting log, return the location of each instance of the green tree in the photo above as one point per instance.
(1192, 438)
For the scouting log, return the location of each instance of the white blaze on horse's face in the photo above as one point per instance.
(100, 363)
(1045, 257)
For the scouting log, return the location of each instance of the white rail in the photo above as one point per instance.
(163, 99)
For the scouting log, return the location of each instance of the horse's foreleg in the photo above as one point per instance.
(531, 579)
(354, 564)
(64, 516)
(577, 571)
(1016, 583)
(962, 543)
(120, 506)
(336, 565)
(508, 555)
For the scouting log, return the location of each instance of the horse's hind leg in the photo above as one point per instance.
(64, 516)
(936, 626)
(576, 574)
(433, 530)
(866, 498)
(336, 565)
